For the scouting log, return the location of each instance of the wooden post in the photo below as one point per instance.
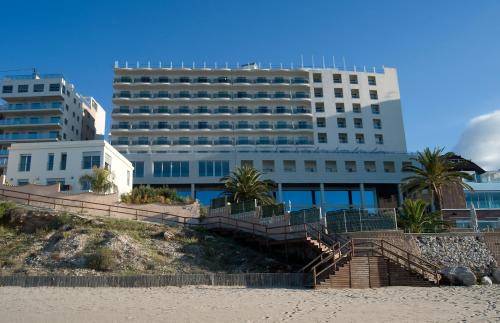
(109, 211)
(314, 276)
(29, 195)
(81, 208)
(136, 217)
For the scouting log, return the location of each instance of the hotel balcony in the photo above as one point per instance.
(214, 142)
(220, 126)
(215, 111)
(216, 96)
(27, 108)
(21, 137)
(146, 80)
(31, 122)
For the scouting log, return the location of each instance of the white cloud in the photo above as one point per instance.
(480, 141)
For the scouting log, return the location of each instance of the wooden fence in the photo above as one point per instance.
(253, 280)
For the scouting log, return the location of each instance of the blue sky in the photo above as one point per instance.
(447, 52)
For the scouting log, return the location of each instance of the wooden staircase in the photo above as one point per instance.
(369, 263)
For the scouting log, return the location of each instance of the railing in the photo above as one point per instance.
(28, 136)
(234, 96)
(31, 106)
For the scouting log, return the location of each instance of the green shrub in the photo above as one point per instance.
(143, 195)
(5, 209)
(102, 259)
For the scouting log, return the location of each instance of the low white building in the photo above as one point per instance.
(65, 162)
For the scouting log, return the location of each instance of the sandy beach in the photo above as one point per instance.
(216, 304)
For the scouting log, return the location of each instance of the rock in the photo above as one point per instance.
(486, 281)
(458, 275)
(496, 275)
(167, 235)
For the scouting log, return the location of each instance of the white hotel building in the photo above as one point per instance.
(328, 137)
(45, 108)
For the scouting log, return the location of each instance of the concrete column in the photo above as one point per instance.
(362, 194)
(192, 191)
(400, 195)
(322, 198)
(280, 193)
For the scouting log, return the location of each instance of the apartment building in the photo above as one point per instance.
(65, 162)
(44, 108)
(328, 137)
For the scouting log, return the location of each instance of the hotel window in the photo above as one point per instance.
(138, 169)
(353, 79)
(355, 93)
(91, 159)
(7, 89)
(350, 166)
(171, 169)
(373, 95)
(54, 87)
(322, 138)
(21, 182)
(370, 167)
(85, 185)
(64, 159)
(356, 108)
(317, 77)
(38, 87)
(358, 123)
(339, 107)
(375, 108)
(22, 88)
(379, 139)
(248, 163)
(377, 124)
(320, 107)
(321, 122)
(268, 166)
(330, 166)
(360, 138)
(341, 123)
(337, 78)
(372, 80)
(310, 166)
(389, 167)
(218, 168)
(339, 93)
(289, 166)
(318, 92)
(25, 163)
(343, 138)
(50, 162)
(404, 166)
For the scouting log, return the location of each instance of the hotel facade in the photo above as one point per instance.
(328, 137)
(45, 108)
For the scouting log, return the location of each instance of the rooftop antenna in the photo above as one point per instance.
(334, 62)
(312, 60)
(226, 65)
(204, 64)
(324, 66)
(345, 65)
(137, 64)
(159, 64)
(193, 65)
(171, 65)
(302, 60)
(126, 64)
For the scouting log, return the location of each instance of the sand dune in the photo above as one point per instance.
(215, 304)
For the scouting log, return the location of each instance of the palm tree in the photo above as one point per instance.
(245, 183)
(415, 218)
(101, 180)
(434, 172)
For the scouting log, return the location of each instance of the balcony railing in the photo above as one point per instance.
(40, 121)
(206, 80)
(234, 96)
(28, 136)
(208, 126)
(4, 152)
(32, 106)
(218, 142)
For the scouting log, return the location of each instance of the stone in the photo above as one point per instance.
(486, 281)
(496, 275)
(458, 275)
(167, 235)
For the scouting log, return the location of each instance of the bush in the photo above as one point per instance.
(143, 195)
(5, 209)
(102, 260)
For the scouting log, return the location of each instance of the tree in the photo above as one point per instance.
(101, 180)
(434, 172)
(415, 218)
(245, 183)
